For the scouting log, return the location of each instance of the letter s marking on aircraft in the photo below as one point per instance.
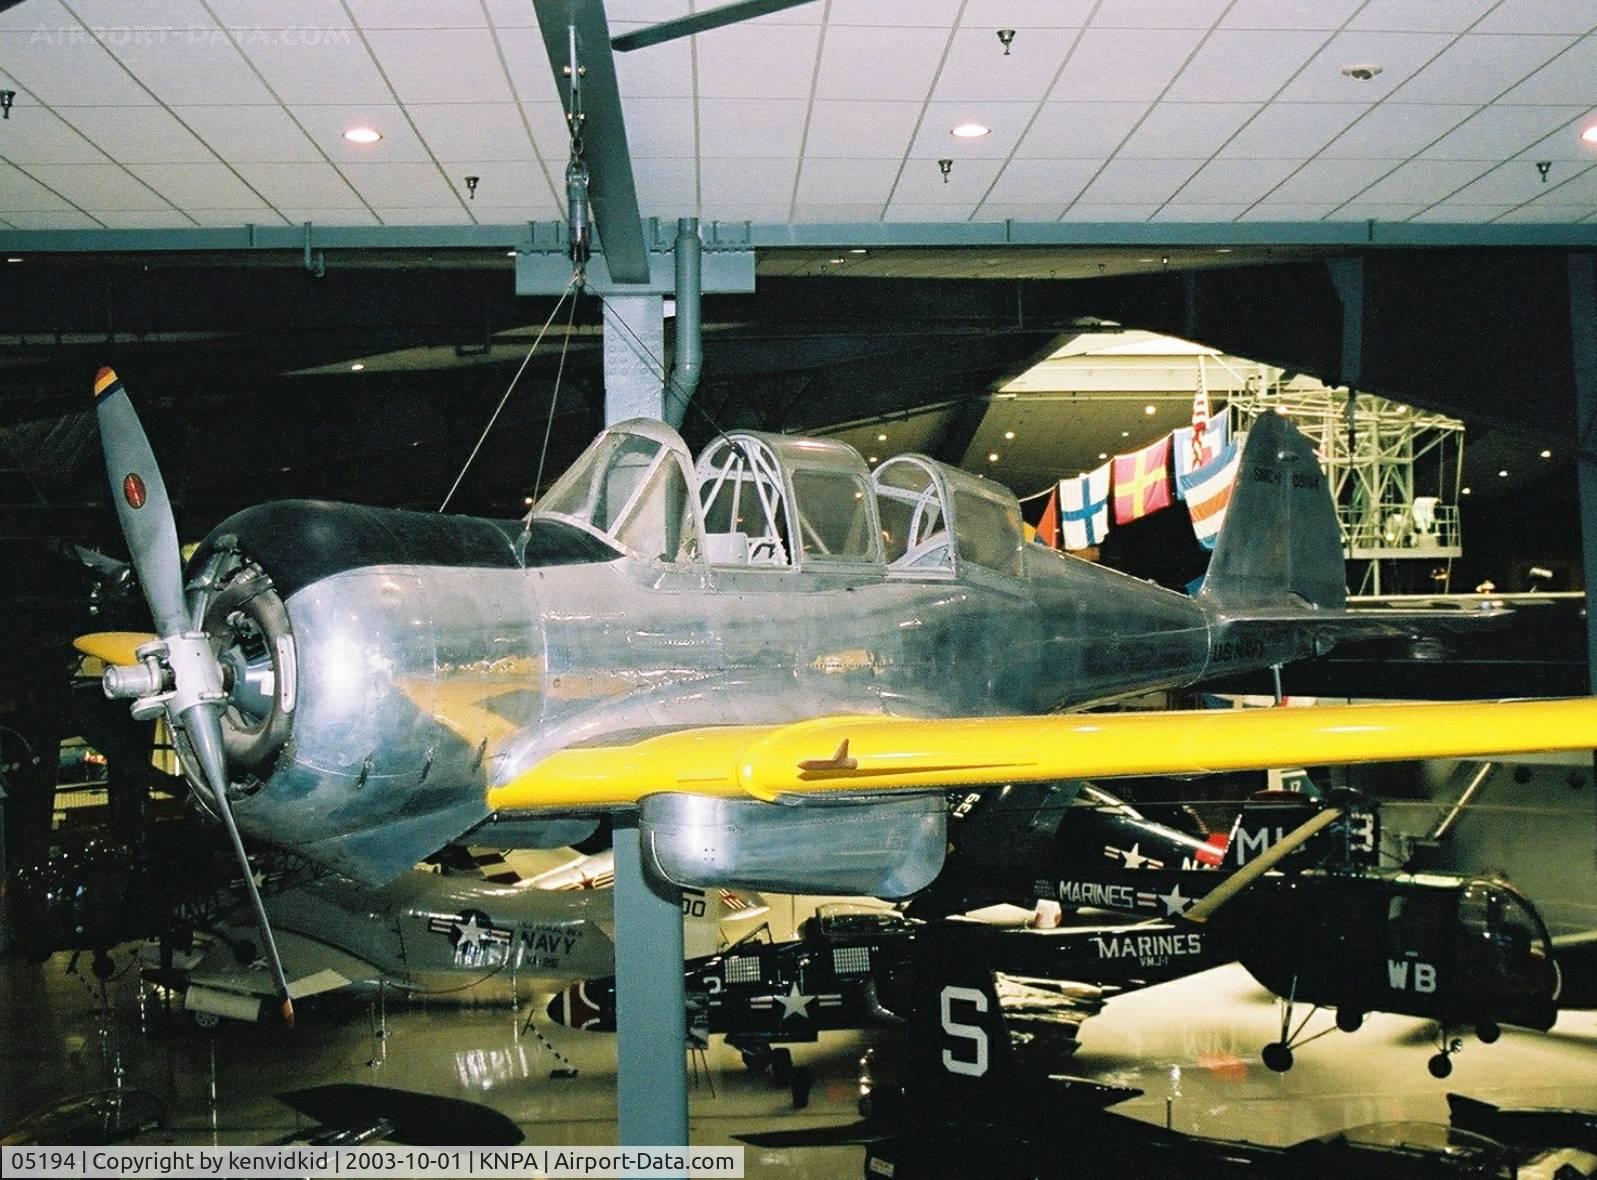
(972, 1032)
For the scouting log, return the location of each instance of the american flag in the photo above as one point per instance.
(1200, 417)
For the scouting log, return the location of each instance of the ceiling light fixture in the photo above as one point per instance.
(1009, 434)
(356, 367)
(527, 500)
(1362, 71)
(1125, 434)
(1103, 454)
(1590, 134)
(1547, 454)
(1149, 410)
(859, 250)
(363, 135)
(992, 456)
(1502, 474)
(835, 261)
(1464, 491)
(13, 258)
(970, 131)
(881, 438)
(510, 253)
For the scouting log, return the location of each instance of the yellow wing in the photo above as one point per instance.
(869, 755)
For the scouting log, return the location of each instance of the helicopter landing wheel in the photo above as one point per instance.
(1488, 1032)
(1441, 1065)
(1277, 1057)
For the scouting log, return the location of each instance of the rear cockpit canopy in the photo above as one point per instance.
(778, 501)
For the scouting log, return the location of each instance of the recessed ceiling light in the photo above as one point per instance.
(13, 258)
(835, 261)
(1103, 454)
(363, 135)
(871, 459)
(859, 250)
(1149, 410)
(1502, 474)
(510, 253)
(971, 131)
(1125, 434)
(1009, 434)
(992, 456)
(881, 438)
(356, 367)
(527, 500)
(1547, 454)
(1362, 71)
(1223, 250)
(1590, 134)
(1463, 491)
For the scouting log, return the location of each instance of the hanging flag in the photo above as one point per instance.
(1208, 492)
(1084, 508)
(1048, 526)
(1216, 434)
(1142, 481)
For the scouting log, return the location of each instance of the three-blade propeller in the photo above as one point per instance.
(177, 674)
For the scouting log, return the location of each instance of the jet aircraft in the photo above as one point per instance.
(774, 623)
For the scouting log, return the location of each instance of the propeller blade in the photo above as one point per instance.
(142, 505)
(204, 729)
(113, 647)
(700, 22)
(1267, 860)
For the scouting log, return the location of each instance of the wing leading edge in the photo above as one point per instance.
(863, 756)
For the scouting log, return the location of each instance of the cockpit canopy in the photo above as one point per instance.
(778, 501)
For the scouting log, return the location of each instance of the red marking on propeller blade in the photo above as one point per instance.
(133, 490)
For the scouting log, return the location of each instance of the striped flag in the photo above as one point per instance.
(1215, 437)
(1208, 492)
(1142, 481)
(1084, 508)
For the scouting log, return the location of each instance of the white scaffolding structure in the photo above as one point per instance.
(1394, 471)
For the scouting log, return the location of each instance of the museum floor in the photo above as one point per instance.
(1194, 1042)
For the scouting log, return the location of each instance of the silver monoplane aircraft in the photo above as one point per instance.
(774, 654)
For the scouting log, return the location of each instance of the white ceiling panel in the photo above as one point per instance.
(328, 214)
(1508, 184)
(1457, 213)
(1541, 16)
(300, 185)
(418, 14)
(199, 186)
(1400, 56)
(880, 62)
(97, 186)
(326, 126)
(65, 218)
(515, 14)
(1176, 211)
(665, 184)
(1375, 211)
(744, 211)
(1424, 181)
(1157, 14)
(662, 127)
(865, 129)
(1225, 182)
(472, 131)
(976, 67)
(1089, 211)
(1080, 130)
(492, 214)
(1579, 189)
(20, 193)
(549, 133)
(1479, 68)
(921, 184)
(1286, 211)
(411, 59)
(1499, 132)
(1394, 131)
(1187, 129)
(1020, 211)
(825, 211)
(744, 181)
(909, 211)
(116, 18)
(334, 70)
(923, 13)
(303, 15)
(937, 140)
(729, 127)
(1289, 14)
(202, 67)
(503, 184)
(1119, 65)
(1565, 143)
(757, 60)
(1330, 180)
(154, 218)
(38, 14)
(401, 186)
(527, 66)
(1043, 181)
(38, 137)
(1542, 214)
(845, 181)
(1244, 64)
(250, 133)
(141, 134)
(433, 215)
(1566, 78)
(1139, 181)
(1420, 16)
(660, 71)
(1292, 128)
(232, 217)
(1020, 15)
(67, 67)
(644, 11)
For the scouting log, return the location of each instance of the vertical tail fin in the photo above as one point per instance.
(1280, 538)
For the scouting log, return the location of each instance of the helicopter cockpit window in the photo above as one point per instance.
(744, 503)
(632, 488)
(914, 517)
(1503, 935)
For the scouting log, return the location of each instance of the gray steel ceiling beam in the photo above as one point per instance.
(602, 131)
(549, 237)
(701, 22)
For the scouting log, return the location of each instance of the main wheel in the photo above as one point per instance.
(1440, 1066)
(1277, 1057)
(756, 1060)
(781, 1066)
(1349, 1019)
(1488, 1032)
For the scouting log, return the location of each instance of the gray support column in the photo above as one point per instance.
(634, 345)
(690, 340)
(651, 1026)
(1583, 343)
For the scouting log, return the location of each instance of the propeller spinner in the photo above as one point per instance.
(177, 673)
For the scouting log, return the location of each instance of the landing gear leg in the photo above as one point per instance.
(1277, 1055)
